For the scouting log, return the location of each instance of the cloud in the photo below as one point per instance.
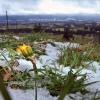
(69, 6)
(18, 6)
(49, 6)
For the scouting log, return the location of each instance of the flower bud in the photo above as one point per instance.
(25, 50)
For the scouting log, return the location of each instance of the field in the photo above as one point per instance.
(44, 66)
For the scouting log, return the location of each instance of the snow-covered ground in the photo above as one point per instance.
(50, 59)
(43, 94)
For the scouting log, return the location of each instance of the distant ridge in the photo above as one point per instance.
(45, 18)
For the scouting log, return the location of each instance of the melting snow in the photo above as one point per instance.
(50, 59)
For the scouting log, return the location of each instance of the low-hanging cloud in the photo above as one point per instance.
(15, 7)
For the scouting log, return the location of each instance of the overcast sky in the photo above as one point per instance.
(49, 6)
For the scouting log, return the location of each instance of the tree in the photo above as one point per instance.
(97, 34)
(37, 28)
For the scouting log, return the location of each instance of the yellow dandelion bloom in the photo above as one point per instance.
(25, 50)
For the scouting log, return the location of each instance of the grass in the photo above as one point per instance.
(56, 83)
(9, 41)
(42, 37)
(82, 39)
(76, 57)
(72, 57)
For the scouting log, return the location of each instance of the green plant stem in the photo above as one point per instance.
(3, 90)
(35, 71)
(35, 81)
(35, 89)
